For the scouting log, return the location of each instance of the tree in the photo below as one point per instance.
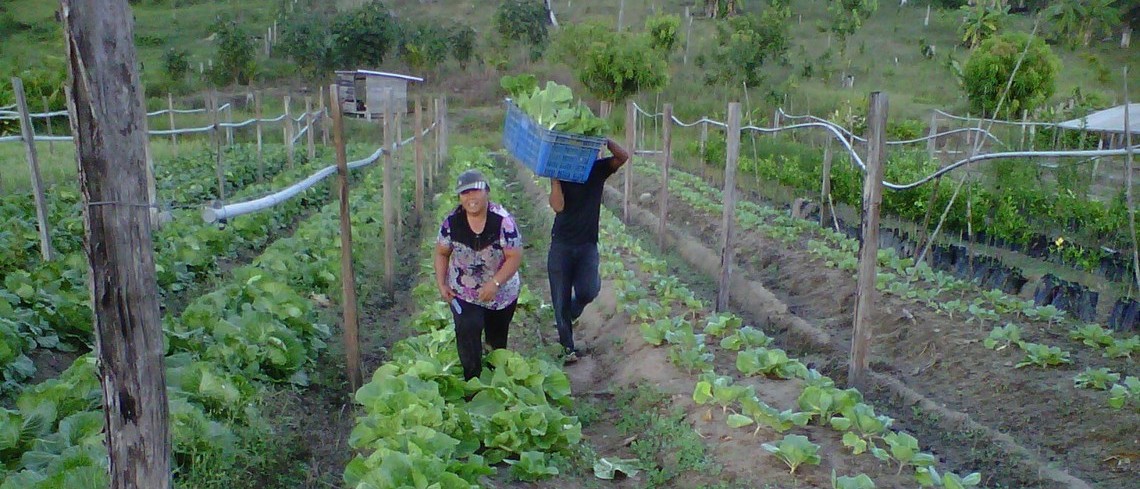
(522, 21)
(617, 66)
(981, 21)
(308, 41)
(1075, 20)
(745, 43)
(722, 8)
(235, 54)
(988, 71)
(663, 30)
(176, 61)
(364, 36)
(424, 45)
(462, 44)
(847, 17)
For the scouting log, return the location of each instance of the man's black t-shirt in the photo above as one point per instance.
(578, 222)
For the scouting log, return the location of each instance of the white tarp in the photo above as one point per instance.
(1108, 120)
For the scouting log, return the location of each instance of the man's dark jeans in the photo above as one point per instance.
(574, 283)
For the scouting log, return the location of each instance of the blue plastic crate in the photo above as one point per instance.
(565, 156)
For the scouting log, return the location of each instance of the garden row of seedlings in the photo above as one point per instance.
(256, 333)
(700, 342)
(424, 426)
(47, 304)
(901, 277)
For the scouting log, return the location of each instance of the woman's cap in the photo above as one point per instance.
(471, 180)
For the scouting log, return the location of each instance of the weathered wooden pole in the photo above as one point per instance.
(28, 133)
(728, 223)
(217, 140)
(419, 134)
(288, 134)
(631, 146)
(310, 140)
(825, 184)
(348, 276)
(170, 117)
(663, 197)
(869, 248)
(389, 196)
(110, 137)
(257, 126)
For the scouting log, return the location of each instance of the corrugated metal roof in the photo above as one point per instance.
(1108, 120)
(381, 73)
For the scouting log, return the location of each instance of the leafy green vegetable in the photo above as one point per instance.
(794, 450)
(772, 362)
(607, 469)
(1099, 379)
(553, 107)
(1042, 356)
(1003, 336)
(861, 481)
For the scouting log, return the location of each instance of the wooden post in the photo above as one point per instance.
(1128, 183)
(389, 195)
(621, 15)
(397, 123)
(419, 128)
(309, 139)
(348, 276)
(47, 120)
(443, 132)
(825, 184)
(663, 213)
(688, 36)
(631, 146)
(288, 135)
(151, 184)
(110, 136)
(728, 224)
(170, 116)
(932, 143)
(869, 248)
(704, 144)
(321, 121)
(217, 140)
(229, 121)
(28, 133)
(257, 125)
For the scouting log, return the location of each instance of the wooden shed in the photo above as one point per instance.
(362, 92)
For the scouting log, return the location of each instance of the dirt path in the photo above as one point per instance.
(933, 373)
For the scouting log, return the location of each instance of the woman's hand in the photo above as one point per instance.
(488, 291)
(446, 292)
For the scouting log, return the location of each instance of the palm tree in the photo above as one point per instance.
(981, 21)
(1081, 19)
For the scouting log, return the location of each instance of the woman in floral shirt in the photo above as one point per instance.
(477, 257)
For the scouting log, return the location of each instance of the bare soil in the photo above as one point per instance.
(942, 359)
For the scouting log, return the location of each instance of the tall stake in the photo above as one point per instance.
(631, 146)
(1128, 183)
(310, 140)
(419, 128)
(170, 116)
(869, 248)
(217, 140)
(110, 137)
(288, 134)
(728, 223)
(389, 196)
(663, 212)
(348, 276)
(29, 135)
(257, 124)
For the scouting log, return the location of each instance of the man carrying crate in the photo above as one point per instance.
(572, 264)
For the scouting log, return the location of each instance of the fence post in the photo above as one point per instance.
(29, 134)
(309, 139)
(932, 143)
(688, 36)
(825, 184)
(443, 132)
(170, 117)
(321, 120)
(728, 223)
(257, 126)
(704, 142)
(397, 123)
(631, 143)
(419, 134)
(663, 213)
(47, 120)
(288, 134)
(216, 139)
(869, 249)
(389, 195)
(229, 122)
(348, 277)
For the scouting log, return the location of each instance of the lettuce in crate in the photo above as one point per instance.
(553, 107)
